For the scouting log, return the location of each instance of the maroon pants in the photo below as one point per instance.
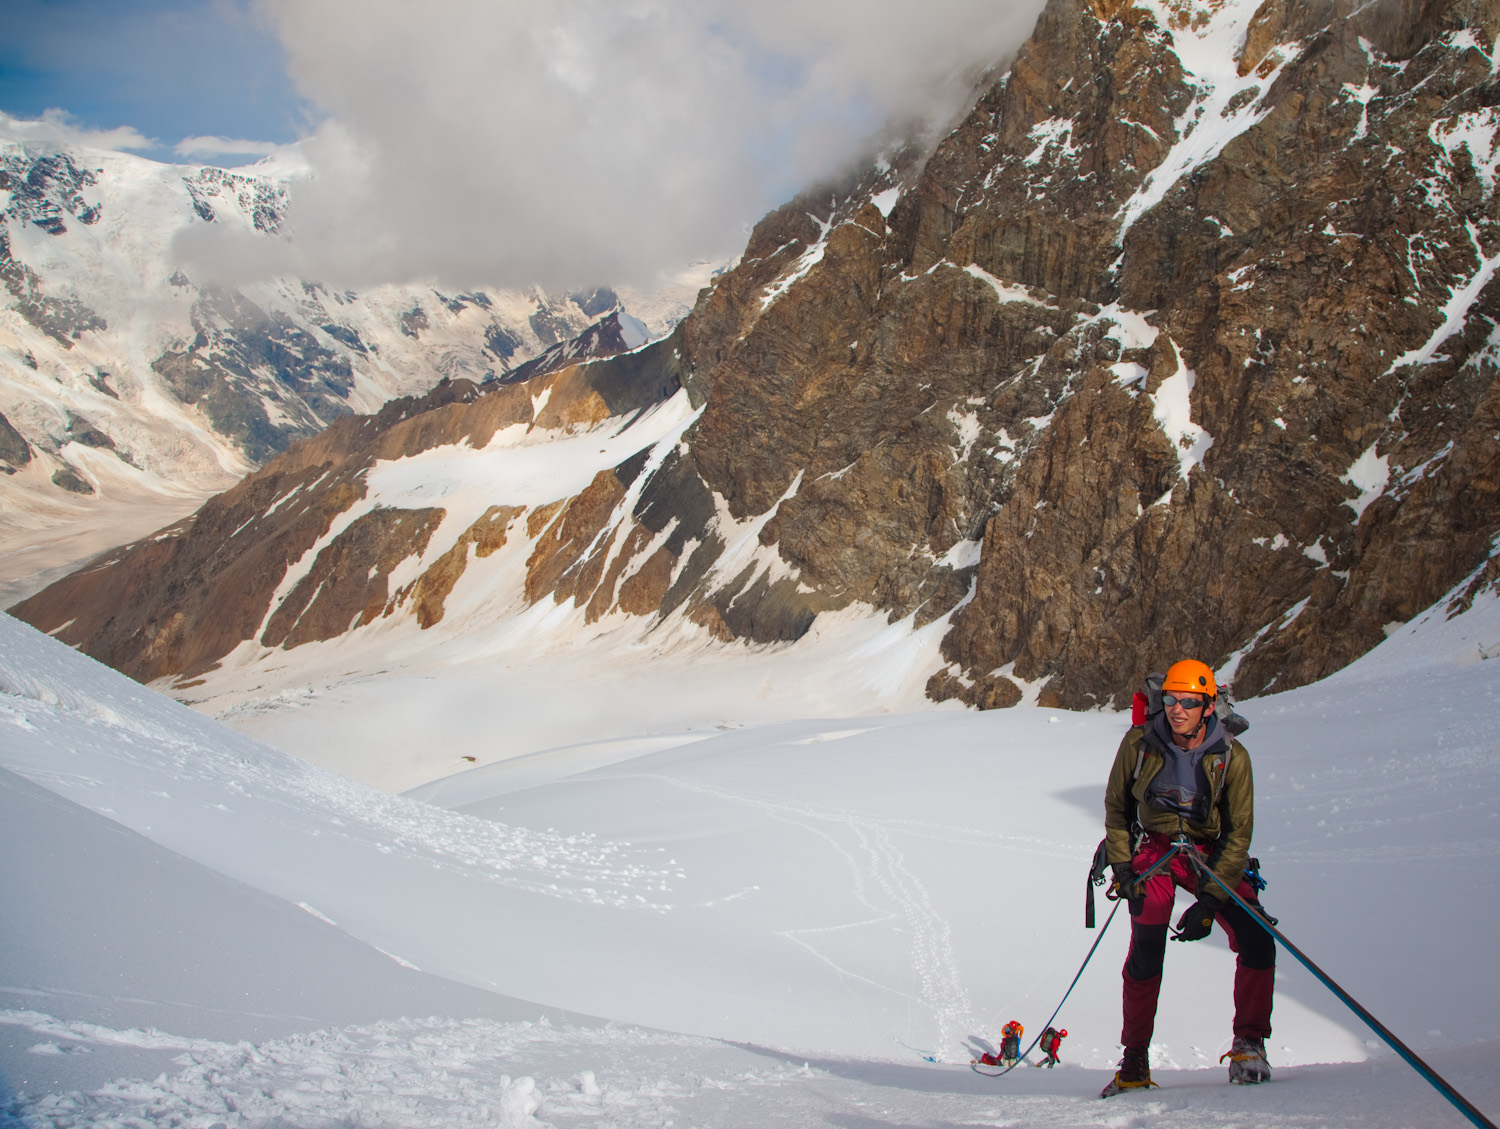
(1255, 949)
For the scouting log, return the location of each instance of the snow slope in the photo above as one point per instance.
(87, 897)
(853, 894)
(343, 703)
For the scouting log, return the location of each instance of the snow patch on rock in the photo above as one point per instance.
(1368, 474)
(1172, 406)
(1208, 47)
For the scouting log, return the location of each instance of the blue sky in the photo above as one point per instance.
(169, 68)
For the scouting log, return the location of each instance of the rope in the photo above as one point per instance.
(974, 1066)
(1161, 862)
(1461, 1103)
(925, 1056)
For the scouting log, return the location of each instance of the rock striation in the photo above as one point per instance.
(1183, 341)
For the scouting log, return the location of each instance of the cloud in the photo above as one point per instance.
(587, 141)
(223, 146)
(56, 127)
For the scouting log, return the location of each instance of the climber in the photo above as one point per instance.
(1010, 1042)
(1181, 773)
(1052, 1040)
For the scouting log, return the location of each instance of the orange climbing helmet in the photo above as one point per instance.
(1190, 677)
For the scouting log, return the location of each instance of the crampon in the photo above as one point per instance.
(1247, 1062)
(1134, 1074)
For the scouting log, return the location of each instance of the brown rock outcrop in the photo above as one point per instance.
(568, 559)
(643, 591)
(487, 535)
(347, 584)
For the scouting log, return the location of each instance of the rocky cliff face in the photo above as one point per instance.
(1183, 341)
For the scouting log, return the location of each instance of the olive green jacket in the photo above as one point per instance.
(1231, 815)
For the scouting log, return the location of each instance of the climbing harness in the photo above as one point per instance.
(1459, 1102)
(1097, 877)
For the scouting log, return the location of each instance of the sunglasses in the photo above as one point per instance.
(1185, 703)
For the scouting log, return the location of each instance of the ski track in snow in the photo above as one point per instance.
(875, 860)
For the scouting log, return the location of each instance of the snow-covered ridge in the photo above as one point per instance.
(128, 386)
(190, 748)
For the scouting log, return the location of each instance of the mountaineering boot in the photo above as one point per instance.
(1247, 1062)
(1134, 1073)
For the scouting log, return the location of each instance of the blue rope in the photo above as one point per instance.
(1461, 1103)
(921, 1054)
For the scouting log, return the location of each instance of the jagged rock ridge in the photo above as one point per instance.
(1183, 341)
(193, 380)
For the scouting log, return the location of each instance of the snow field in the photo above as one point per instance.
(438, 1073)
(890, 858)
(856, 893)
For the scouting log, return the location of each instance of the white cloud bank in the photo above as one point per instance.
(56, 127)
(212, 145)
(580, 141)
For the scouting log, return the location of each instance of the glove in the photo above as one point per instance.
(1197, 920)
(1125, 879)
